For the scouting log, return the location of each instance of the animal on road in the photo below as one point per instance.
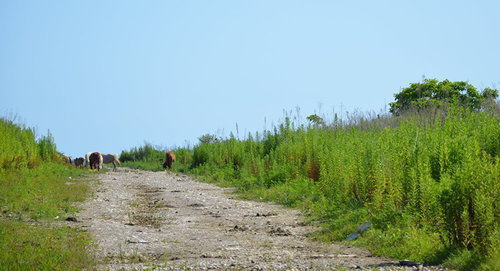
(169, 159)
(95, 160)
(111, 158)
(79, 162)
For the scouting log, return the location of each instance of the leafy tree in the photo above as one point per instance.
(432, 93)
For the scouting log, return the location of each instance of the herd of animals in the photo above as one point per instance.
(95, 160)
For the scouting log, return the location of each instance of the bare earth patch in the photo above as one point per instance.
(161, 220)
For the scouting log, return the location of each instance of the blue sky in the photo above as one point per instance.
(108, 75)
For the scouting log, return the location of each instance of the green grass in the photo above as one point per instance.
(428, 183)
(150, 158)
(43, 192)
(37, 190)
(31, 201)
(18, 148)
(35, 247)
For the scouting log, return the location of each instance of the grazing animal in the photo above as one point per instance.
(169, 159)
(110, 158)
(79, 162)
(87, 158)
(67, 159)
(95, 160)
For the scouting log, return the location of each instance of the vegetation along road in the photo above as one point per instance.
(426, 178)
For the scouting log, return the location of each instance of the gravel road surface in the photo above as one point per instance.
(166, 221)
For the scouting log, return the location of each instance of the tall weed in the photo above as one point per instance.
(18, 148)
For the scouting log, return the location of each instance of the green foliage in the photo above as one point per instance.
(42, 192)
(151, 158)
(208, 138)
(47, 148)
(428, 183)
(143, 153)
(427, 186)
(464, 260)
(18, 148)
(432, 93)
(183, 157)
(36, 185)
(31, 247)
(316, 120)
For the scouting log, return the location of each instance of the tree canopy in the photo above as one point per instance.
(433, 93)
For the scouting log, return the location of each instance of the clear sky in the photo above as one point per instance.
(108, 75)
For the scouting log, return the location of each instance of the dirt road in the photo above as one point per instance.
(165, 221)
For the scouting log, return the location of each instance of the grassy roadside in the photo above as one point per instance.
(428, 185)
(37, 191)
(31, 203)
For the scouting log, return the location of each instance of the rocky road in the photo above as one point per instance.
(165, 221)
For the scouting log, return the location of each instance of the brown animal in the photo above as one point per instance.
(95, 160)
(169, 159)
(79, 162)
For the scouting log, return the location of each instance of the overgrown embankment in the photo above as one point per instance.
(38, 189)
(428, 184)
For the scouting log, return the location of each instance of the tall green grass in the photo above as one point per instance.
(149, 157)
(36, 189)
(18, 148)
(143, 153)
(145, 157)
(428, 183)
